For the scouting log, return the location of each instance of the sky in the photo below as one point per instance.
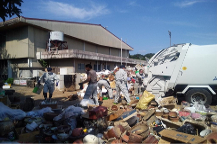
(143, 24)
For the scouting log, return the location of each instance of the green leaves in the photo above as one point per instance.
(43, 63)
(8, 8)
(141, 57)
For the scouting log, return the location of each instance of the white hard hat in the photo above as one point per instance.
(90, 139)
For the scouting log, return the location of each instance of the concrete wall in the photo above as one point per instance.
(115, 52)
(90, 47)
(22, 44)
(39, 38)
(74, 43)
(61, 62)
(103, 50)
(15, 44)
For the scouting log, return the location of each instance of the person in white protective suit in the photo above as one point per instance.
(104, 82)
(49, 79)
(138, 86)
(92, 84)
(121, 84)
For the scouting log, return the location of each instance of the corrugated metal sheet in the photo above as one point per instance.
(88, 32)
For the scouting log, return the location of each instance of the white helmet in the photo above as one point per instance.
(90, 139)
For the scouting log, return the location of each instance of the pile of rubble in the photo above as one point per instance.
(143, 121)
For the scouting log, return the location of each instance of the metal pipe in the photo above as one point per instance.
(121, 51)
(49, 45)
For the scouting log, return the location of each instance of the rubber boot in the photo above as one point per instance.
(45, 96)
(50, 96)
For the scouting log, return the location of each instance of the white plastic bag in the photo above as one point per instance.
(86, 102)
(199, 107)
(71, 111)
(12, 114)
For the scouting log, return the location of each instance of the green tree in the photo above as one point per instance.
(43, 63)
(8, 8)
(142, 57)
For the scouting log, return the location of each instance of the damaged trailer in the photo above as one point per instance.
(185, 69)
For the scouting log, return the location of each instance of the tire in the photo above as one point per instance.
(198, 95)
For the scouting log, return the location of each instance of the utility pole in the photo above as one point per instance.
(121, 51)
(170, 37)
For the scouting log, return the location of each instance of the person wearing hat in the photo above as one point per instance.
(138, 86)
(121, 82)
(104, 82)
(49, 79)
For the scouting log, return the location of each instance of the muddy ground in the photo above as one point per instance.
(62, 98)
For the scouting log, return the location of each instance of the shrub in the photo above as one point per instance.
(10, 80)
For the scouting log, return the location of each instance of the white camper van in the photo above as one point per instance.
(185, 69)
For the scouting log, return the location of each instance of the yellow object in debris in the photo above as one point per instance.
(184, 68)
(85, 130)
(144, 100)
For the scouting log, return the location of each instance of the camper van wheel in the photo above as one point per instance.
(201, 96)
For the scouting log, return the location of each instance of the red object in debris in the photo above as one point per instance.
(98, 112)
(133, 80)
(77, 132)
(184, 113)
(79, 141)
(125, 138)
(116, 141)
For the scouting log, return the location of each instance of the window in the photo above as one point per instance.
(81, 67)
(108, 67)
(99, 67)
(95, 67)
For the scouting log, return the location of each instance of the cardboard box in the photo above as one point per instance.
(163, 141)
(182, 137)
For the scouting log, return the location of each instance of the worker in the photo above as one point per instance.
(121, 81)
(138, 86)
(92, 84)
(49, 79)
(104, 82)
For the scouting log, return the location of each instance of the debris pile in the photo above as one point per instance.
(143, 120)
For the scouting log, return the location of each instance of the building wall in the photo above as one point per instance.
(88, 32)
(90, 47)
(115, 52)
(74, 43)
(38, 37)
(15, 44)
(22, 44)
(103, 50)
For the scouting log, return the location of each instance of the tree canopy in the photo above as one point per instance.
(142, 57)
(8, 8)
